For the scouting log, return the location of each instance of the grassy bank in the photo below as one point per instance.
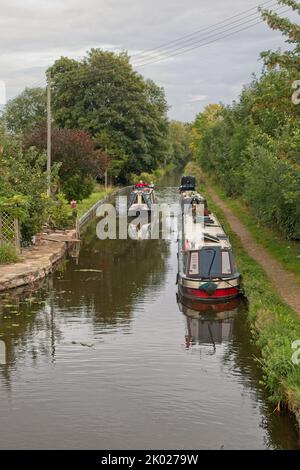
(273, 324)
(86, 204)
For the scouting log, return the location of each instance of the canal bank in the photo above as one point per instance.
(102, 356)
(37, 262)
(275, 326)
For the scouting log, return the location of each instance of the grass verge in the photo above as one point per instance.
(274, 325)
(87, 203)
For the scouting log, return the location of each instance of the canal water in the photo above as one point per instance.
(102, 356)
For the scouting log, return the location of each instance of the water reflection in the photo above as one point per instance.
(208, 324)
(96, 358)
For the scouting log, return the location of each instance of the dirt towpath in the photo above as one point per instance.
(284, 282)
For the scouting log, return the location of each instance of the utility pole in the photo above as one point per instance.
(105, 174)
(49, 122)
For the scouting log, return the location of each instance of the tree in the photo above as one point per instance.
(23, 182)
(289, 59)
(26, 110)
(125, 114)
(181, 139)
(73, 150)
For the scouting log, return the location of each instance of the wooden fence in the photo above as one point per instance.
(9, 230)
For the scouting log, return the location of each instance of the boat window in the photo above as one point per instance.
(210, 262)
(226, 264)
(194, 263)
(147, 199)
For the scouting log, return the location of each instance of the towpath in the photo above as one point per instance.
(284, 282)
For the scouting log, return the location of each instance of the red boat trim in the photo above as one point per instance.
(228, 292)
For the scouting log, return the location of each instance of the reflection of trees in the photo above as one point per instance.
(26, 325)
(126, 268)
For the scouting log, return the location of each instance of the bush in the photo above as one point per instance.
(60, 213)
(8, 254)
(78, 188)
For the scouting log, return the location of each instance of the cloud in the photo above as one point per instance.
(36, 32)
(197, 98)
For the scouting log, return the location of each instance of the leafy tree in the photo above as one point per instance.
(26, 110)
(124, 113)
(289, 59)
(23, 183)
(73, 150)
(181, 139)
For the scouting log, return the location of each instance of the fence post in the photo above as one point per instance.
(17, 235)
(1, 234)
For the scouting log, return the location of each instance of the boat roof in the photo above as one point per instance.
(212, 232)
(190, 194)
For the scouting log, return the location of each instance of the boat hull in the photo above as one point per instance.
(194, 290)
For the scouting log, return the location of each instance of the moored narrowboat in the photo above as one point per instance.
(141, 199)
(206, 266)
(189, 197)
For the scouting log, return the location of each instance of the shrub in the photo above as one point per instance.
(60, 213)
(78, 188)
(8, 254)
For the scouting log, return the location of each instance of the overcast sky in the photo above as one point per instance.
(36, 32)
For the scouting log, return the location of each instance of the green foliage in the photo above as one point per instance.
(59, 212)
(77, 187)
(252, 148)
(155, 177)
(124, 113)
(288, 59)
(23, 185)
(26, 110)
(87, 203)
(181, 140)
(8, 254)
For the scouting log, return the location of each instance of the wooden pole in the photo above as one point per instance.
(17, 235)
(49, 121)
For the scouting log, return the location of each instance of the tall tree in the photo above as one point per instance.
(73, 150)
(26, 110)
(125, 113)
(289, 59)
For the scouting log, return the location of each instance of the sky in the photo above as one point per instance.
(34, 33)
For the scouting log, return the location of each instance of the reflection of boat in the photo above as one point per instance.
(141, 200)
(208, 324)
(138, 231)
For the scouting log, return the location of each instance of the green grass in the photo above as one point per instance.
(8, 254)
(87, 203)
(274, 325)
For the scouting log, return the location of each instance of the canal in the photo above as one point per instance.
(102, 356)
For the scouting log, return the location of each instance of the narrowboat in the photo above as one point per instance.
(141, 199)
(189, 196)
(206, 266)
